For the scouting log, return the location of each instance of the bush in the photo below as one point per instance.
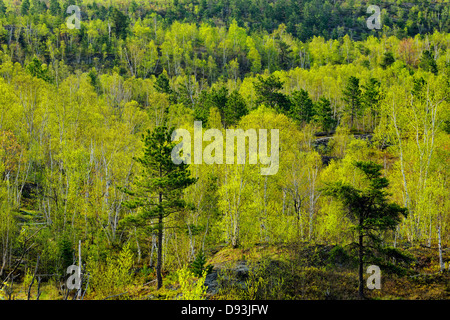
(338, 255)
(192, 288)
(112, 278)
(198, 266)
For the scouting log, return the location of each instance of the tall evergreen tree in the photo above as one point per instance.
(302, 108)
(352, 98)
(217, 98)
(371, 97)
(267, 92)
(428, 63)
(369, 210)
(387, 59)
(54, 8)
(24, 7)
(158, 192)
(120, 23)
(323, 114)
(235, 109)
(162, 84)
(36, 69)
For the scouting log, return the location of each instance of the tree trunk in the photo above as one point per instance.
(361, 255)
(441, 262)
(160, 240)
(137, 245)
(361, 279)
(78, 293)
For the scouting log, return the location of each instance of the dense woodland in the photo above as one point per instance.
(75, 105)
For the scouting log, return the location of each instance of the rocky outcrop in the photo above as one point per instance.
(236, 276)
(325, 140)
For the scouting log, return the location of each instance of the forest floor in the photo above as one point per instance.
(314, 271)
(294, 271)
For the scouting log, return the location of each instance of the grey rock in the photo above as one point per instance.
(211, 283)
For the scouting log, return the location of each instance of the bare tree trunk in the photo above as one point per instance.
(361, 278)
(32, 280)
(38, 293)
(5, 252)
(153, 247)
(160, 243)
(405, 185)
(441, 262)
(78, 293)
(137, 245)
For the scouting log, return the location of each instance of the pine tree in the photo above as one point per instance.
(387, 59)
(66, 253)
(428, 63)
(120, 23)
(216, 98)
(302, 106)
(323, 114)
(54, 8)
(267, 92)
(25, 7)
(198, 266)
(157, 193)
(352, 97)
(36, 69)
(235, 109)
(368, 209)
(371, 98)
(162, 84)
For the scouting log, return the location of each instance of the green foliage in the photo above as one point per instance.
(393, 260)
(428, 63)
(37, 69)
(191, 288)
(120, 23)
(27, 280)
(369, 207)
(323, 114)
(352, 97)
(235, 109)
(267, 93)
(198, 266)
(24, 7)
(66, 253)
(387, 59)
(54, 8)
(158, 192)
(2, 7)
(302, 108)
(74, 104)
(162, 84)
(93, 76)
(161, 176)
(112, 277)
(338, 256)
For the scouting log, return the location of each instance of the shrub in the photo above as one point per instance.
(338, 255)
(112, 278)
(192, 288)
(198, 266)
